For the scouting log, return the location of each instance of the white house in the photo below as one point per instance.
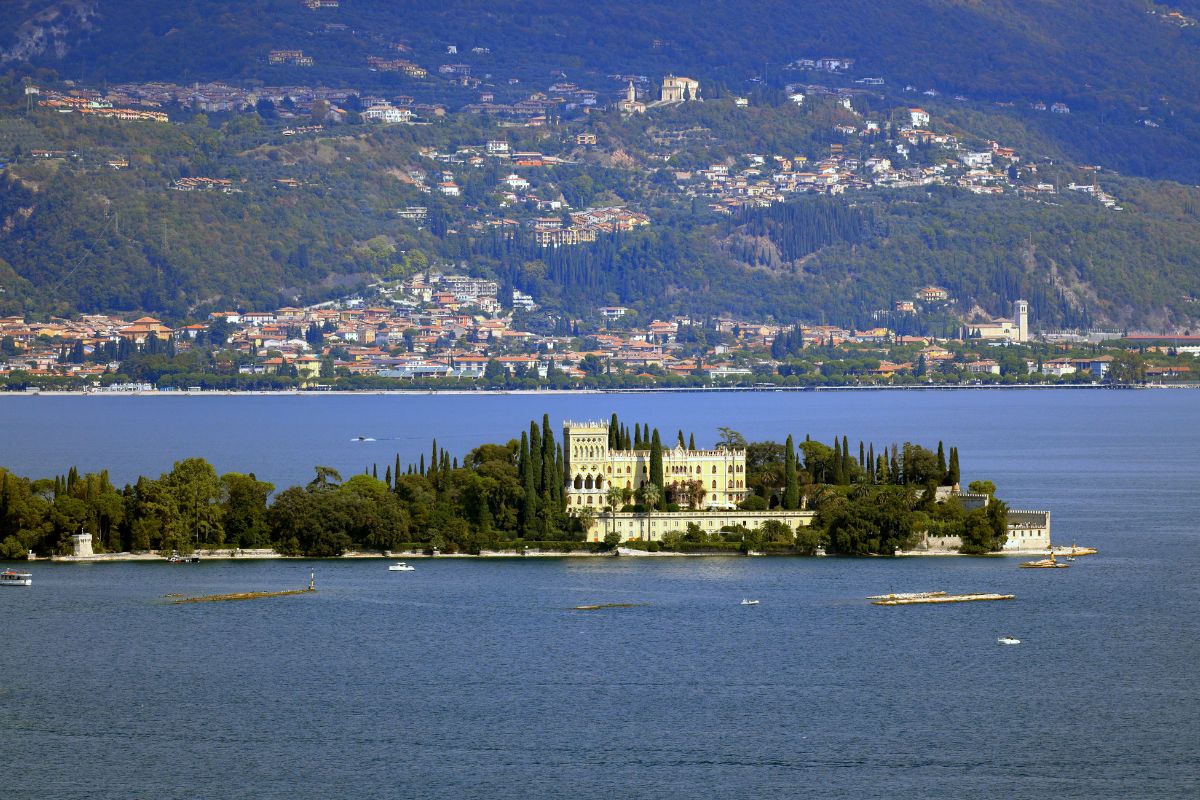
(387, 114)
(515, 181)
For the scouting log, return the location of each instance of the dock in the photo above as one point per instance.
(931, 598)
(221, 598)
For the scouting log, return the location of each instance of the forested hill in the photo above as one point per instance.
(307, 217)
(283, 197)
(1119, 64)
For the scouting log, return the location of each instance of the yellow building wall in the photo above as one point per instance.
(652, 527)
(593, 469)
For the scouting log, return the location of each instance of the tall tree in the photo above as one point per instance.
(528, 507)
(656, 463)
(546, 489)
(791, 491)
(535, 455)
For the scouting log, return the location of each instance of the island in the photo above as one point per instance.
(598, 487)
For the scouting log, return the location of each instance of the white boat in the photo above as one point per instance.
(400, 566)
(10, 577)
(1008, 640)
(746, 602)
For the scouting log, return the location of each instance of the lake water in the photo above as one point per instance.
(474, 679)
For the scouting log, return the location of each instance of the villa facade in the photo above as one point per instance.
(712, 479)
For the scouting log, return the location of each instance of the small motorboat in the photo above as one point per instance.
(746, 602)
(1008, 640)
(12, 577)
(400, 566)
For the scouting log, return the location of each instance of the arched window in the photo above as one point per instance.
(578, 482)
(714, 484)
(714, 469)
(599, 482)
(589, 497)
(587, 482)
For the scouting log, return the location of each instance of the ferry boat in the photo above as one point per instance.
(11, 577)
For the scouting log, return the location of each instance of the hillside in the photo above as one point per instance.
(306, 217)
(791, 192)
(1128, 72)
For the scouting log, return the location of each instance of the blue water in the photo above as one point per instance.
(473, 679)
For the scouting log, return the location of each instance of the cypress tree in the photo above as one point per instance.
(375, 471)
(421, 469)
(564, 466)
(614, 433)
(626, 442)
(548, 462)
(862, 455)
(528, 508)
(559, 470)
(871, 463)
(656, 464)
(396, 472)
(894, 468)
(682, 443)
(953, 476)
(691, 441)
(535, 455)
(529, 515)
(846, 462)
(791, 491)
(637, 436)
(387, 477)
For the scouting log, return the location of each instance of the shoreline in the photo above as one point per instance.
(654, 390)
(227, 555)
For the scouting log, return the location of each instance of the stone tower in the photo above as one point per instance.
(585, 447)
(1021, 319)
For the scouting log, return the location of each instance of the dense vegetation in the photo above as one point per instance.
(1113, 62)
(500, 496)
(79, 236)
